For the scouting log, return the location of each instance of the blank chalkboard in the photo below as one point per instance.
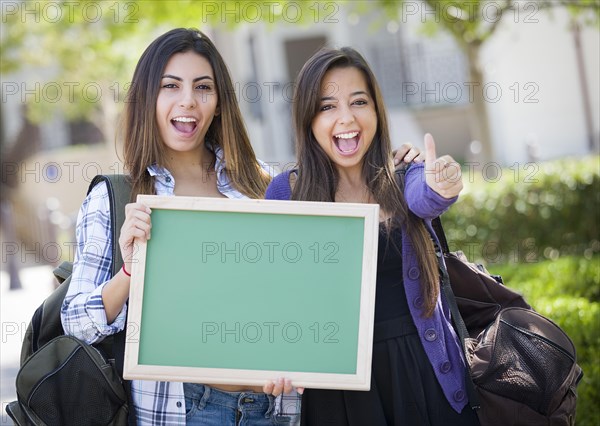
(245, 291)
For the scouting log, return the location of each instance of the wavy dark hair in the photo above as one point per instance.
(317, 175)
(142, 144)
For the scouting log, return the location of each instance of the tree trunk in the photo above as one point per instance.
(479, 120)
(108, 122)
(8, 227)
(583, 83)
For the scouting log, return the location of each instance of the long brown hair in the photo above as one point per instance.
(142, 145)
(318, 176)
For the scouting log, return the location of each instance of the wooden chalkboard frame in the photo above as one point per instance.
(359, 379)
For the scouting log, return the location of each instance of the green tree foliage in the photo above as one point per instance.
(89, 48)
(93, 45)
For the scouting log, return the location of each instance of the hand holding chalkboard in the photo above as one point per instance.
(281, 385)
(209, 293)
(137, 225)
(135, 230)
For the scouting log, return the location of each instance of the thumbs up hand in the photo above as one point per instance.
(443, 174)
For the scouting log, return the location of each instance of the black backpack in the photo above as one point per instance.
(62, 380)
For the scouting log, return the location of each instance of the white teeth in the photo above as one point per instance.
(185, 119)
(349, 135)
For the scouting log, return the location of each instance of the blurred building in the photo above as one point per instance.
(535, 78)
(541, 85)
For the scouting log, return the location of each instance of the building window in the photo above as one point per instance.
(420, 72)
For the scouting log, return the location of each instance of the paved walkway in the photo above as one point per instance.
(16, 309)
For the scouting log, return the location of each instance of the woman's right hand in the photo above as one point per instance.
(137, 225)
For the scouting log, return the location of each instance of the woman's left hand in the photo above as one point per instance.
(407, 153)
(443, 174)
(280, 386)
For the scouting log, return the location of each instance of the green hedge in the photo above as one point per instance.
(528, 213)
(566, 291)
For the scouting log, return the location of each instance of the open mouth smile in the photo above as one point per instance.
(185, 125)
(347, 143)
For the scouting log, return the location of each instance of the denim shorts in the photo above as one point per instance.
(208, 406)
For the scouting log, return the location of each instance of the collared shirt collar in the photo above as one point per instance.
(165, 182)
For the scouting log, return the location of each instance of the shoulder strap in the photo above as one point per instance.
(119, 194)
(439, 231)
(461, 329)
(63, 271)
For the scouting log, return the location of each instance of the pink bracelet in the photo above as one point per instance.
(125, 271)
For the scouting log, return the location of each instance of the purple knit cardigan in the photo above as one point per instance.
(436, 333)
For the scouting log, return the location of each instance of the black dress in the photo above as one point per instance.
(404, 389)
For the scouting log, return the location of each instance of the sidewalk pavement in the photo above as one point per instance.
(16, 309)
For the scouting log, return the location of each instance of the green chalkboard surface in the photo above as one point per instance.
(244, 291)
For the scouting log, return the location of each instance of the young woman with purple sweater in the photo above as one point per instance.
(345, 155)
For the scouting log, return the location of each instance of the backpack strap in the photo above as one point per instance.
(63, 271)
(119, 194)
(439, 232)
(459, 324)
(460, 327)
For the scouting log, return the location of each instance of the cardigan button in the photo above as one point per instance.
(459, 395)
(418, 302)
(413, 273)
(445, 367)
(430, 334)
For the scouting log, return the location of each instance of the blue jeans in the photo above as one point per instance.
(206, 406)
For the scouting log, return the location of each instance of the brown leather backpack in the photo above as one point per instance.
(522, 368)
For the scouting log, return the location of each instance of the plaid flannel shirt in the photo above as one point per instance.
(83, 315)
